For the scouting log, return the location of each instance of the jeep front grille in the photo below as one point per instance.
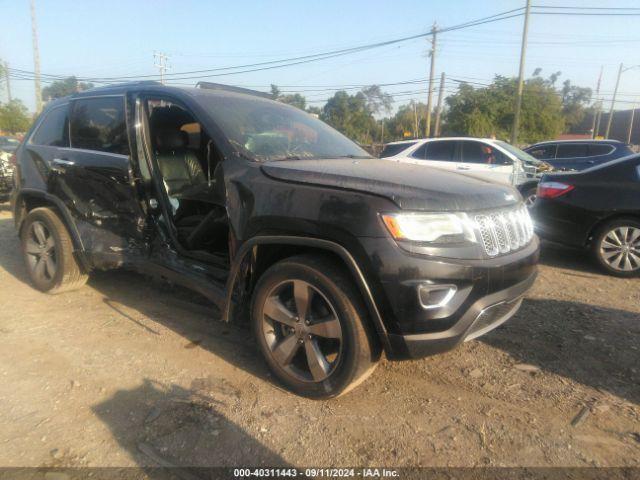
(504, 231)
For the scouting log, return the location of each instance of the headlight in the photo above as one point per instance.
(430, 227)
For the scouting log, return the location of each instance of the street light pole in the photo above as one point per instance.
(613, 102)
(523, 50)
(633, 111)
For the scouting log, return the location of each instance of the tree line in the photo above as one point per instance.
(367, 116)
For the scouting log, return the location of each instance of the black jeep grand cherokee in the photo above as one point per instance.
(264, 209)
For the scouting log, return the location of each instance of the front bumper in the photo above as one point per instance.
(486, 293)
(483, 316)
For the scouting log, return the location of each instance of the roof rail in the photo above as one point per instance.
(124, 84)
(230, 88)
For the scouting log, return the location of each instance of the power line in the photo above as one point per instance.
(260, 66)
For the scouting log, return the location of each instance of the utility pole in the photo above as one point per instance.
(434, 34)
(36, 57)
(416, 133)
(160, 62)
(633, 111)
(436, 129)
(6, 76)
(595, 125)
(613, 102)
(523, 51)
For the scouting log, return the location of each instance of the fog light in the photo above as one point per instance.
(435, 296)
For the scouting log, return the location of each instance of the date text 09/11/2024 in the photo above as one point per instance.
(315, 472)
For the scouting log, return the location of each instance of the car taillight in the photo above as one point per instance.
(553, 189)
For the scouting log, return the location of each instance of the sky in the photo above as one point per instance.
(93, 38)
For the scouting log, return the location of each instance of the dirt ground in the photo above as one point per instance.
(126, 372)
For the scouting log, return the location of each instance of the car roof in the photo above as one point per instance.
(201, 89)
(577, 140)
(490, 140)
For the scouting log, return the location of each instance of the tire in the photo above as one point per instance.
(340, 364)
(47, 250)
(616, 247)
(529, 196)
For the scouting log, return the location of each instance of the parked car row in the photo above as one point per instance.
(8, 146)
(485, 158)
(583, 194)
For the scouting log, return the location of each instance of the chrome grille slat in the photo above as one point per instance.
(504, 231)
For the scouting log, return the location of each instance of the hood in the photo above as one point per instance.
(410, 187)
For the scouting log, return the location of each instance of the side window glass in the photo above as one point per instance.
(571, 150)
(421, 152)
(54, 129)
(441, 151)
(476, 152)
(99, 124)
(544, 152)
(597, 149)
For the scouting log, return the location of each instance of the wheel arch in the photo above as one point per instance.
(597, 225)
(28, 200)
(259, 253)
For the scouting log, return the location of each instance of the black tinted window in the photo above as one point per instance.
(542, 152)
(476, 152)
(421, 152)
(54, 129)
(571, 150)
(394, 149)
(99, 124)
(442, 151)
(597, 149)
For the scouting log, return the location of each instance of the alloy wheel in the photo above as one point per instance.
(40, 250)
(620, 248)
(302, 331)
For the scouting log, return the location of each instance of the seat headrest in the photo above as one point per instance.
(168, 140)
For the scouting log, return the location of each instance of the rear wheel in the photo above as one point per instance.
(48, 253)
(616, 247)
(312, 328)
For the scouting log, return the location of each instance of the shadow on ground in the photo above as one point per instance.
(595, 346)
(580, 261)
(170, 426)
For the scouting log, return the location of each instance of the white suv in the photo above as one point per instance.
(486, 158)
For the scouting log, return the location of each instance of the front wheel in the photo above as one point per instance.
(616, 247)
(312, 328)
(529, 196)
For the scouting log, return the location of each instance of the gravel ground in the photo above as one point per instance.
(127, 372)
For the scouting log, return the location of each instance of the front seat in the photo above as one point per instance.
(178, 165)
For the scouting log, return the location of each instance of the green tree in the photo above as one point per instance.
(296, 99)
(377, 100)
(574, 104)
(404, 121)
(488, 111)
(62, 88)
(14, 117)
(350, 115)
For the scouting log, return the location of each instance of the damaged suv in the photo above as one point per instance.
(332, 255)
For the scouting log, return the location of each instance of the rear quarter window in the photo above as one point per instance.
(595, 150)
(53, 131)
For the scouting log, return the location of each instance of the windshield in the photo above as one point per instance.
(265, 130)
(520, 154)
